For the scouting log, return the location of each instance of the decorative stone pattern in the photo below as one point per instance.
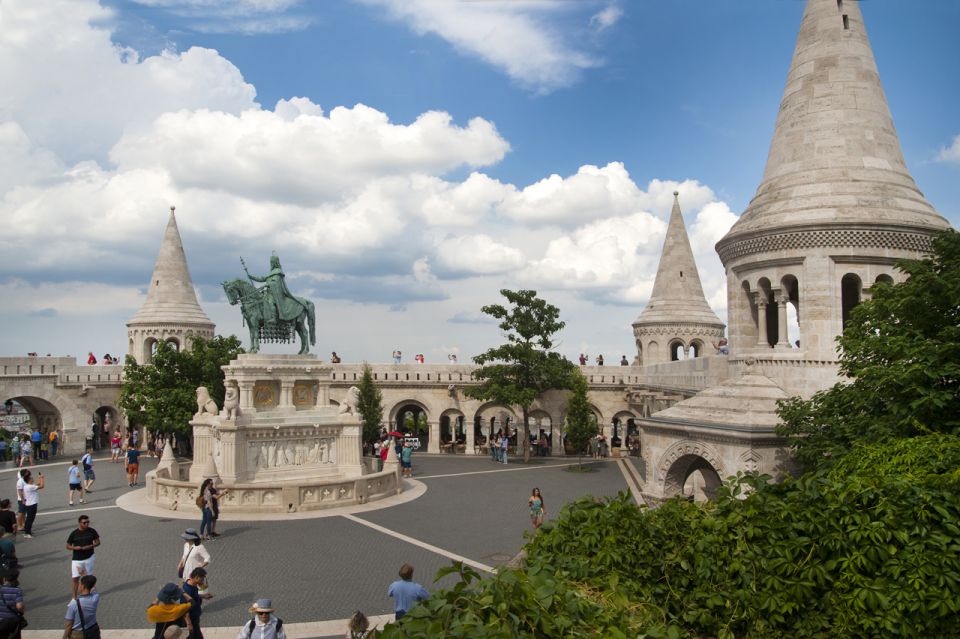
(858, 238)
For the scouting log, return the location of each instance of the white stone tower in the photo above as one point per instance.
(677, 322)
(836, 207)
(171, 312)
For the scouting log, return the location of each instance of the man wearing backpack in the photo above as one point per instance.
(264, 624)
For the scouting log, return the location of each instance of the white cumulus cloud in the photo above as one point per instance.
(478, 255)
(950, 153)
(514, 36)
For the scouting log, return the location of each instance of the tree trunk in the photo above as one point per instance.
(526, 434)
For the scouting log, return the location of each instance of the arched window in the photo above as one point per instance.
(696, 349)
(850, 289)
(676, 351)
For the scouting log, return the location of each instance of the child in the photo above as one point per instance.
(75, 481)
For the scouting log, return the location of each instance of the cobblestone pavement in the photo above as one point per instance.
(313, 569)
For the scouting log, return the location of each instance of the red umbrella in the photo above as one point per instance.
(394, 433)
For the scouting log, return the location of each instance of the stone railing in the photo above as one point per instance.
(65, 369)
(271, 497)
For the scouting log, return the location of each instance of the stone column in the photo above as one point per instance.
(202, 449)
(433, 446)
(784, 339)
(762, 341)
(470, 437)
(556, 439)
(286, 395)
(246, 395)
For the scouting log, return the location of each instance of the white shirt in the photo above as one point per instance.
(31, 494)
(262, 630)
(20, 484)
(197, 557)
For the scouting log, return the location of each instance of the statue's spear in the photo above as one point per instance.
(244, 266)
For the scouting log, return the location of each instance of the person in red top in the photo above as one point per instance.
(91, 360)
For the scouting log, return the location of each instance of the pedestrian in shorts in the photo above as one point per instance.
(88, 475)
(82, 542)
(75, 482)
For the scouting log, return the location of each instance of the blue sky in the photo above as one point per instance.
(407, 159)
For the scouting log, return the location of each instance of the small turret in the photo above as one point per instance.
(171, 312)
(677, 322)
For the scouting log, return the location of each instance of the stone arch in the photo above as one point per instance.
(108, 419)
(790, 286)
(541, 420)
(69, 418)
(766, 312)
(684, 458)
(851, 292)
(149, 348)
(677, 350)
(747, 312)
(621, 422)
(695, 349)
(453, 425)
(175, 341)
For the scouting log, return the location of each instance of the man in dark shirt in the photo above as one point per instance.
(82, 541)
(133, 465)
(8, 519)
(196, 587)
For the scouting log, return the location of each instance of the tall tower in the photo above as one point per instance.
(171, 312)
(677, 322)
(835, 208)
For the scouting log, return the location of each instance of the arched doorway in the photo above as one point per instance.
(491, 418)
(22, 415)
(453, 434)
(693, 476)
(104, 421)
(410, 418)
(541, 433)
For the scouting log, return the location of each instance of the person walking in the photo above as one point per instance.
(195, 587)
(405, 592)
(206, 499)
(264, 625)
(74, 482)
(35, 438)
(115, 440)
(537, 509)
(82, 542)
(406, 459)
(25, 451)
(82, 611)
(133, 465)
(30, 496)
(504, 443)
(194, 555)
(3, 448)
(11, 605)
(171, 609)
(88, 475)
(54, 443)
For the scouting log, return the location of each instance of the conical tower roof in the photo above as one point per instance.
(170, 296)
(677, 296)
(835, 158)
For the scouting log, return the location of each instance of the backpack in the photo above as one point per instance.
(253, 624)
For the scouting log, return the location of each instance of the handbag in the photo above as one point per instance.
(183, 562)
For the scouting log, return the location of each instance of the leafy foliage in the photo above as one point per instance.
(370, 406)
(581, 422)
(516, 373)
(902, 349)
(162, 395)
(858, 551)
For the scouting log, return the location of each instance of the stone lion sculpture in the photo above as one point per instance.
(231, 403)
(205, 405)
(349, 404)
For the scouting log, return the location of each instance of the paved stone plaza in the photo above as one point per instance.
(315, 569)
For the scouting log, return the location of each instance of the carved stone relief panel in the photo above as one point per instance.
(264, 395)
(285, 453)
(304, 394)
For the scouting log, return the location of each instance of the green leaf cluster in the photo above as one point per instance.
(581, 422)
(518, 372)
(162, 395)
(902, 350)
(862, 551)
(369, 406)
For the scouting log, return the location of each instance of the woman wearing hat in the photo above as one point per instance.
(170, 613)
(194, 555)
(264, 624)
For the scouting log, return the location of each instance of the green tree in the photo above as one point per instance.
(902, 350)
(370, 406)
(581, 422)
(516, 373)
(162, 395)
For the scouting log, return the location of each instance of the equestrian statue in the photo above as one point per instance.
(272, 312)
